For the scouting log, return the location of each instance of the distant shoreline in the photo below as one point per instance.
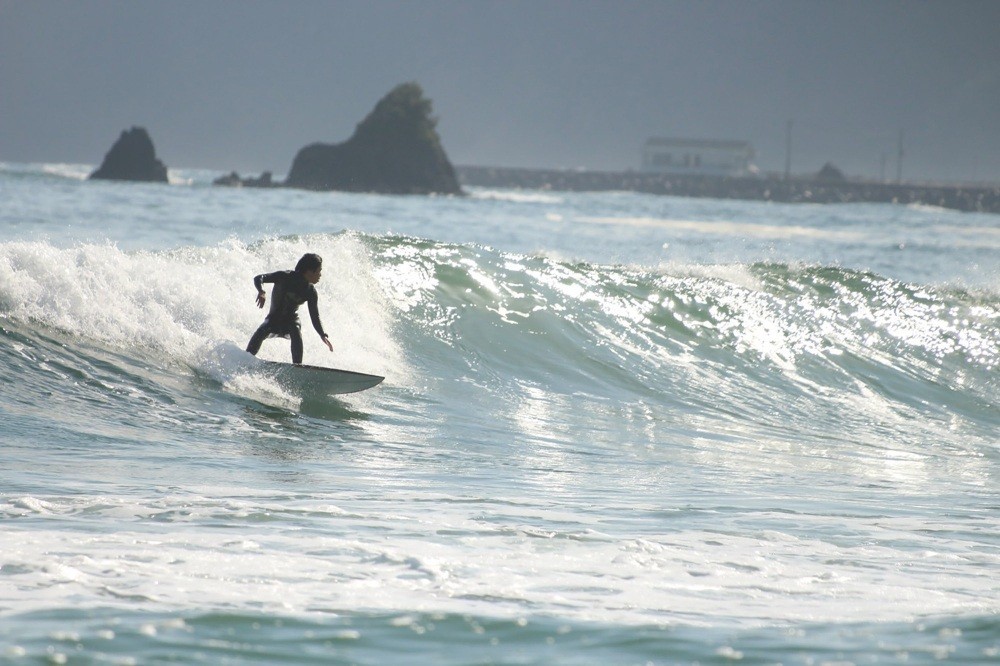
(966, 198)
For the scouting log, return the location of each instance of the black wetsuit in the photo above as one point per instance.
(290, 291)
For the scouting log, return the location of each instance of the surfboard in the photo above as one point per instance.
(318, 380)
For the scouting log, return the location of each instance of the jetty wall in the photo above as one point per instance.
(978, 198)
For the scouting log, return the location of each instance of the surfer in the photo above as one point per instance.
(291, 289)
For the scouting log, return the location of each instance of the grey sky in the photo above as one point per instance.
(243, 85)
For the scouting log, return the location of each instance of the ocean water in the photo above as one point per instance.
(615, 429)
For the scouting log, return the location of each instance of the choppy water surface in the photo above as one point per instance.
(615, 428)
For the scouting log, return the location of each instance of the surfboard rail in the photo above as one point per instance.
(314, 378)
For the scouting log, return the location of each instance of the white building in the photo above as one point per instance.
(697, 157)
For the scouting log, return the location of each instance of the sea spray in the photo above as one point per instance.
(178, 301)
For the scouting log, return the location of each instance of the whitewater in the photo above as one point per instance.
(615, 428)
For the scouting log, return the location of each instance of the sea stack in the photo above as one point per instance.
(394, 150)
(132, 157)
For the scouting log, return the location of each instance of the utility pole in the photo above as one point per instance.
(788, 150)
(899, 160)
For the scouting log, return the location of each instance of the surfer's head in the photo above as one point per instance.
(310, 266)
(309, 262)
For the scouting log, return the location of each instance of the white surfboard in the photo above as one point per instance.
(316, 380)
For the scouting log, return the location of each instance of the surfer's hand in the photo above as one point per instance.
(261, 297)
(326, 341)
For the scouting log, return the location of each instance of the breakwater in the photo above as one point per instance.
(763, 188)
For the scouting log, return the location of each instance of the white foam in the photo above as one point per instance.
(737, 274)
(184, 303)
(72, 171)
(516, 196)
(687, 576)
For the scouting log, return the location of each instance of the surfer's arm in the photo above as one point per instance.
(258, 282)
(314, 315)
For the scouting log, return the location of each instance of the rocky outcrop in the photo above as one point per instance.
(234, 180)
(132, 157)
(394, 150)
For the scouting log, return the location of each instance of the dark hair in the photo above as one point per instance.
(309, 262)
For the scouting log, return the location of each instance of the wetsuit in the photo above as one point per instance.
(290, 291)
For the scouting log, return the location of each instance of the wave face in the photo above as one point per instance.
(647, 460)
(804, 346)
